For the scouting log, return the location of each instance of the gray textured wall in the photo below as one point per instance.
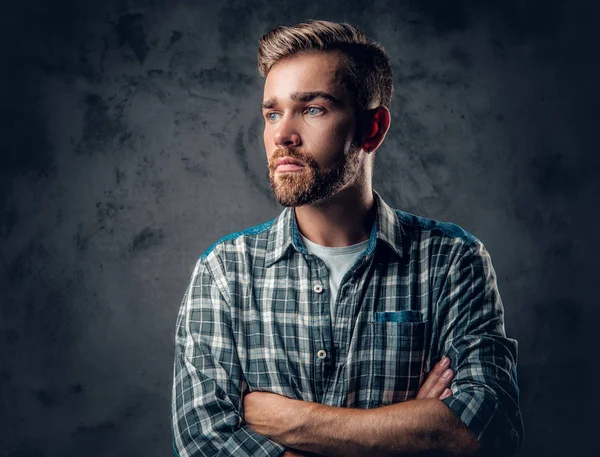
(131, 141)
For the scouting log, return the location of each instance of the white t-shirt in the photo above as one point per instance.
(338, 261)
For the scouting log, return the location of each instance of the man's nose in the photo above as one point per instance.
(286, 134)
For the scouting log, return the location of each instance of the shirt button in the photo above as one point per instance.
(318, 288)
(321, 354)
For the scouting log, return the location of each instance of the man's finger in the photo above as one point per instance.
(437, 381)
(442, 384)
(433, 377)
(445, 394)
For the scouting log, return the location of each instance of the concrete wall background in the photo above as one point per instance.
(130, 140)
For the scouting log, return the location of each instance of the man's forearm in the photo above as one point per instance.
(404, 428)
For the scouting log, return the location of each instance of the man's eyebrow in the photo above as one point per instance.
(302, 96)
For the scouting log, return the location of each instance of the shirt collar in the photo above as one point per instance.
(284, 232)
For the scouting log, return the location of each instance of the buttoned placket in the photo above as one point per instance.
(341, 334)
(321, 323)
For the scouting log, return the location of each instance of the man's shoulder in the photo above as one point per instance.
(442, 230)
(235, 243)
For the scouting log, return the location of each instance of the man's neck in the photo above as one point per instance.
(342, 220)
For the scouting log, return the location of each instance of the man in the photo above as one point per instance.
(325, 330)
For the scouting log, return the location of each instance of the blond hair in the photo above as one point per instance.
(367, 65)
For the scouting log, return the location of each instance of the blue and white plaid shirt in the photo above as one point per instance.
(256, 316)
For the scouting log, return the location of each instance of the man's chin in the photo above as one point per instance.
(284, 195)
(287, 200)
(296, 200)
(290, 193)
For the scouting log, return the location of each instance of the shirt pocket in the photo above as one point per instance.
(398, 349)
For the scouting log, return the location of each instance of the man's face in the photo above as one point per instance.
(309, 117)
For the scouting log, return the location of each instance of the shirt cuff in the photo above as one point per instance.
(493, 429)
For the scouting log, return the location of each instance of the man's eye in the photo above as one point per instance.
(311, 110)
(270, 116)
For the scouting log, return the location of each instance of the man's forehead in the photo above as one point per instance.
(293, 78)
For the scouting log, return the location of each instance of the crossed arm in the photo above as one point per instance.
(423, 424)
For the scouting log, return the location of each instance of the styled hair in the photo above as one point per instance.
(368, 72)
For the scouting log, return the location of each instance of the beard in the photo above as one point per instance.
(312, 184)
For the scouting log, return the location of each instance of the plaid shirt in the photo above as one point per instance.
(256, 316)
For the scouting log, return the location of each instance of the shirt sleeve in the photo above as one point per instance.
(206, 407)
(485, 392)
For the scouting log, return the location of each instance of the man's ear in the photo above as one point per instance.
(375, 126)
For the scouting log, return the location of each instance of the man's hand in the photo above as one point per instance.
(437, 384)
(274, 415)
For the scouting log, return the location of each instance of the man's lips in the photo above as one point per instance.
(288, 164)
(289, 167)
